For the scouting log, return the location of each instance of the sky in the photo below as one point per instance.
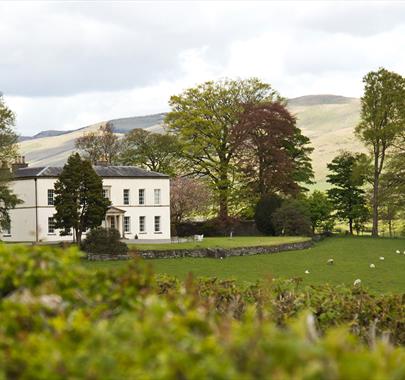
(65, 65)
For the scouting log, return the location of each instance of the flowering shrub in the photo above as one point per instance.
(60, 320)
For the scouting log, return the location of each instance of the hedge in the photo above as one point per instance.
(59, 320)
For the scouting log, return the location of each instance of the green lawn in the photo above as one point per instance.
(221, 242)
(352, 257)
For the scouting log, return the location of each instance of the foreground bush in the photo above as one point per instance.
(59, 320)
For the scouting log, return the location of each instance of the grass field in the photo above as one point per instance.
(221, 242)
(352, 257)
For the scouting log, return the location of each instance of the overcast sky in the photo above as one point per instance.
(69, 64)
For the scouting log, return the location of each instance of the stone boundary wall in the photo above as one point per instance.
(205, 252)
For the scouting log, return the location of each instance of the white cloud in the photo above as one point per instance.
(66, 65)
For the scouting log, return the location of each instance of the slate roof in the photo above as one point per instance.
(102, 171)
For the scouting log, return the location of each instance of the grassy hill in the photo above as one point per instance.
(328, 120)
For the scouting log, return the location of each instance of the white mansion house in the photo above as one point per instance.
(140, 203)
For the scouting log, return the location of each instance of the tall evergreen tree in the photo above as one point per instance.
(347, 195)
(79, 200)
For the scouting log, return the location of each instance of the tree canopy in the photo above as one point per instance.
(8, 153)
(101, 145)
(269, 156)
(382, 122)
(320, 211)
(236, 133)
(188, 196)
(347, 195)
(204, 118)
(154, 151)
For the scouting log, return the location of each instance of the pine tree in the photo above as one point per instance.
(348, 197)
(79, 201)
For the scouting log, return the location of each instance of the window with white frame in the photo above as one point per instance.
(157, 196)
(106, 192)
(127, 224)
(126, 196)
(51, 225)
(7, 230)
(157, 223)
(51, 197)
(141, 198)
(142, 226)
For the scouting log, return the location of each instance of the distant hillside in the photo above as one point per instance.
(49, 133)
(328, 120)
(126, 124)
(316, 100)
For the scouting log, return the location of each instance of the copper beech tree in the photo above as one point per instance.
(268, 159)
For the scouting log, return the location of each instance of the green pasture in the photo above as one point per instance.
(352, 259)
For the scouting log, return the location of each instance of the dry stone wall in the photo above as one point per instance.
(205, 252)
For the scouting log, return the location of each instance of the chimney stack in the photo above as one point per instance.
(19, 163)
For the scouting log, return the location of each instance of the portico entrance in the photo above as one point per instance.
(114, 218)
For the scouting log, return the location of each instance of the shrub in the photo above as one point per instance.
(264, 211)
(292, 218)
(60, 320)
(104, 241)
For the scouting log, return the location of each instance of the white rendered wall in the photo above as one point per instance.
(23, 218)
(134, 210)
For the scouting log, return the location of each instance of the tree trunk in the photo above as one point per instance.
(223, 205)
(223, 187)
(351, 226)
(374, 232)
(390, 227)
(79, 238)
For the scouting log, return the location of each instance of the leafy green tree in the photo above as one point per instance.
(292, 218)
(300, 151)
(101, 145)
(382, 122)
(154, 151)
(347, 195)
(204, 118)
(320, 211)
(79, 200)
(264, 211)
(392, 190)
(8, 153)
